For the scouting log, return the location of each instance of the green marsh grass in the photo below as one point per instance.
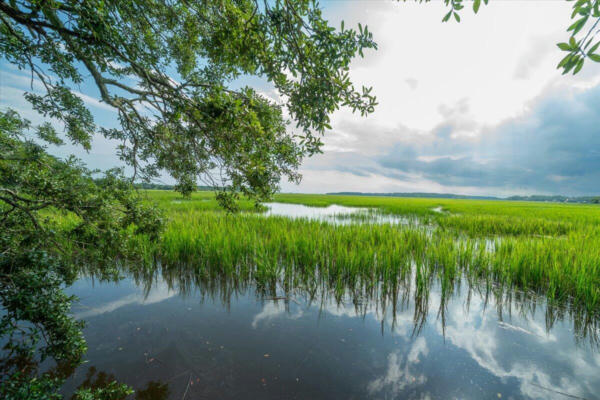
(551, 250)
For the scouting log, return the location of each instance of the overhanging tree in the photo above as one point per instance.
(169, 70)
(55, 217)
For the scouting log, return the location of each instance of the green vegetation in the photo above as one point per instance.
(55, 215)
(169, 70)
(180, 62)
(549, 249)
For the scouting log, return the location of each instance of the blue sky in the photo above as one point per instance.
(473, 108)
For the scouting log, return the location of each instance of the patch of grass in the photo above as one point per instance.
(549, 249)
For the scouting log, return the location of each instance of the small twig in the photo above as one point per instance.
(177, 376)
(557, 392)
(187, 388)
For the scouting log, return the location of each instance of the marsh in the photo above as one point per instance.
(247, 325)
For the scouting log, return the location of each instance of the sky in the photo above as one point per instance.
(472, 108)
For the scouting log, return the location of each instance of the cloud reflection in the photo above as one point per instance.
(400, 374)
(159, 293)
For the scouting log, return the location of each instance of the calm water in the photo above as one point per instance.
(170, 338)
(302, 211)
(180, 333)
(337, 214)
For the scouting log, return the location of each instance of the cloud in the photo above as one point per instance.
(412, 83)
(517, 349)
(555, 148)
(538, 54)
(448, 93)
(485, 342)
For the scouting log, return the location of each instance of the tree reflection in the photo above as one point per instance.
(101, 382)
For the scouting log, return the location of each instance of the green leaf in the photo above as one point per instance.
(447, 16)
(476, 5)
(594, 57)
(573, 61)
(577, 25)
(579, 66)
(573, 43)
(564, 46)
(564, 61)
(594, 48)
(457, 17)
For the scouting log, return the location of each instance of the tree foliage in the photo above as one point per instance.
(55, 216)
(169, 70)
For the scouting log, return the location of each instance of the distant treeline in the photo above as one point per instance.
(554, 199)
(158, 186)
(558, 199)
(428, 195)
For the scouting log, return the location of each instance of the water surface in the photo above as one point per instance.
(336, 214)
(176, 333)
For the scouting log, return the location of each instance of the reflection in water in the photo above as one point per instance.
(339, 215)
(209, 333)
(399, 294)
(303, 211)
(95, 379)
(399, 373)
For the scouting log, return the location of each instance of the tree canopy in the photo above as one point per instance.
(169, 69)
(171, 72)
(55, 216)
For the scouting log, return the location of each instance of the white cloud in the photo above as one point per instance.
(484, 343)
(542, 363)
(474, 75)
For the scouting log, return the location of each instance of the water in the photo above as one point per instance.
(337, 214)
(175, 333)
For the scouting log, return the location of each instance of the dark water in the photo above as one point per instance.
(171, 338)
